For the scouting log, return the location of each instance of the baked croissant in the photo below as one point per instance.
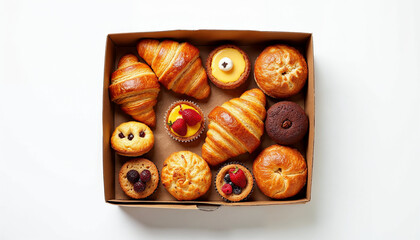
(135, 88)
(235, 127)
(177, 65)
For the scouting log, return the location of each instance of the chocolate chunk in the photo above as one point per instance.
(130, 137)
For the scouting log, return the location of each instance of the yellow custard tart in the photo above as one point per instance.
(228, 66)
(184, 121)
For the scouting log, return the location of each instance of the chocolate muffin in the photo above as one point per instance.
(286, 123)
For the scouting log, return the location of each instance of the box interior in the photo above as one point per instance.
(252, 42)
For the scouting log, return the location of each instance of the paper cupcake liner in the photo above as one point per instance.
(225, 199)
(179, 139)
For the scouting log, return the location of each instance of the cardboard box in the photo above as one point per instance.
(252, 42)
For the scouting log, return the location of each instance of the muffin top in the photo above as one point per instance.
(286, 123)
(139, 178)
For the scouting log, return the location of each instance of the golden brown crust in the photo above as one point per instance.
(235, 127)
(139, 165)
(190, 138)
(280, 172)
(177, 65)
(135, 88)
(280, 71)
(185, 175)
(230, 85)
(141, 143)
(219, 182)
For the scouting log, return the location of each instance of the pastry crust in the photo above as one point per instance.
(280, 71)
(230, 85)
(235, 127)
(141, 143)
(280, 172)
(181, 138)
(135, 88)
(139, 165)
(186, 176)
(219, 182)
(177, 65)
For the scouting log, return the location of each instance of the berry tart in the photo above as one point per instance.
(184, 121)
(139, 178)
(228, 66)
(234, 182)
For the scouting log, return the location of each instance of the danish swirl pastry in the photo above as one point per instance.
(186, 175)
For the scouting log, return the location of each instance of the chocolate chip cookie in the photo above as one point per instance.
(132, 139)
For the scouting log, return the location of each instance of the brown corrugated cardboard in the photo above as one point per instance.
(252, 42)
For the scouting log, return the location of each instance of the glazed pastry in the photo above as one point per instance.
(234, 182)
(177, 65)
(235, 127)
(132, 139)
(186, 175)
(286, 123)
(184, 121)
(139, 178)
(135, 88)
(280, 172)
(228, 66)
(280, 71)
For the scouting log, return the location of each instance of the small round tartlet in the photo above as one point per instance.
(222, 179)
(132, 139)
(172, 114)
(228, 66)
(132, 178)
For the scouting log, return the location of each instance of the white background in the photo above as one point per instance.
(366, 166)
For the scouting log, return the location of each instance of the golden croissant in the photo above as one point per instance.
(177, 65)
(134, 86)
(235, 127)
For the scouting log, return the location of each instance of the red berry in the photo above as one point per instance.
(237, 176)
(139, 186)
(145, 176)
(179, 126)
(227, 189)
(190, 116)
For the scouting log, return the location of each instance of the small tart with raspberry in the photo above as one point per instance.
(234, 182)
(184, 121)
(228, 66)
